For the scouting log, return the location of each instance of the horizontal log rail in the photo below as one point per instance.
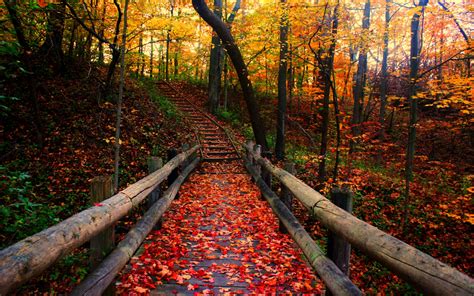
(32, 255)
(98, 281)
(421, 270)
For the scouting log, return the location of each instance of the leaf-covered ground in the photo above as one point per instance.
(218, 237)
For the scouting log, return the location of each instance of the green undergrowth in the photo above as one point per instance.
(166, 106)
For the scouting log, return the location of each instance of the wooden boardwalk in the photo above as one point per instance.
(219, 237)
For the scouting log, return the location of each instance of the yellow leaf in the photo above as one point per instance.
(140, 290)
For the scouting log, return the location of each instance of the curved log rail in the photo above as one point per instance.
(421, 270)
(32, 255)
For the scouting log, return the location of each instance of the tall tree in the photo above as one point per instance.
(384, 74)
(325, 57)
(282, 71)
(168, 42)
(236, 57)
(120, 98)
(360, 78)
(215, 64)
(415, 46)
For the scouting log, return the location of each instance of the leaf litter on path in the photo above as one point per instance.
(219, 237)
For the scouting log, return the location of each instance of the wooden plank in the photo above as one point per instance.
(421, 270)
(336, 281)
(34, 254)
(97, 281)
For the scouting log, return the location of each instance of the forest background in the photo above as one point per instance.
(376, 95)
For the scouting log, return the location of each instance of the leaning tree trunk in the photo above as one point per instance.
(20, 35)
(236, 57)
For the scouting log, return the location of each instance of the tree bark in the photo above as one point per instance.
(360, 80)
(384, 78)
(20, 35)
(214, 64)
(282, 84)
(242, 72)
(414, 65)
(120, 98)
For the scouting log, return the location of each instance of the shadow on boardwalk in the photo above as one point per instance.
(219, 237)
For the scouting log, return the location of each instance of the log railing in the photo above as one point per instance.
(31, 256)
(421, 270)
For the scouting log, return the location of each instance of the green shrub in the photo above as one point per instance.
(19, 215)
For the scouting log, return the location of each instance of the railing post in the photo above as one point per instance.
(175, 173)
(249, 157)
(258, 151)
(266, 175)
(103, 243)
(339, 250)
(185, 163)
(285, 195)
(154, 163)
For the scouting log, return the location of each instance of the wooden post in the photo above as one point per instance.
(185, 147)
(258, 151)
(285, 194)
(249, 157)
(103, 243)
(339, 250)
(154, 163)
(175, 173)
(266, 175)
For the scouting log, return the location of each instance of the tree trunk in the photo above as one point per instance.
(119, 99)
(282, 80)
(52, 46)
(239, 65)
(327, 65)
(214, 64)
(414, 65)
(151, 56)
(101, 33)
(360, 80)
(384, 80)
(20, 35)
(115, 53)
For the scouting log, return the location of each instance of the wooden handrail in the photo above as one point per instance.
(421, 270)
(98, 280)
(32, 255)
(336, 281)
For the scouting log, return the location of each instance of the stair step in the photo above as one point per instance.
(221, 159)
(220, 152)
